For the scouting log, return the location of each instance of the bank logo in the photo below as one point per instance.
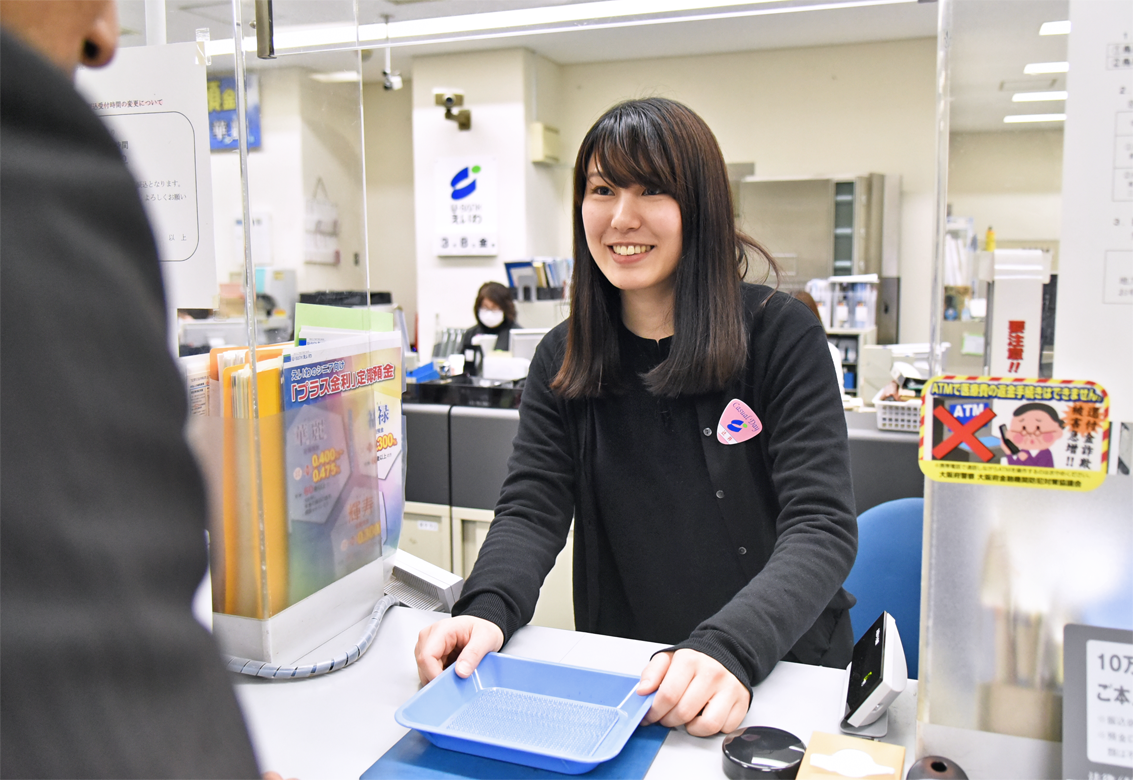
(464, 183)
(735, 426)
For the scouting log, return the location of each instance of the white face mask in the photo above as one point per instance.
(490, 318)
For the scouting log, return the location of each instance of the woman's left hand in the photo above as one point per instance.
(694, 690)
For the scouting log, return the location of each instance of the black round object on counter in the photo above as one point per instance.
(937, 767)
(762, 752)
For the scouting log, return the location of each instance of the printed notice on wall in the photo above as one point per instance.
(466, 200)
(153, 100)
(1018, 432)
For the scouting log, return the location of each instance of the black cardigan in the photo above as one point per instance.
(785, 497)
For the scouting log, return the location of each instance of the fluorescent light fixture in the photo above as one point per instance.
(338, 77)
(529, 21)
(1016, 118)
(1055, 28)
(558, 14)
(1037, 97)
(1036, 68)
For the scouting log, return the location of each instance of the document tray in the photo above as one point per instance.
(544, 715)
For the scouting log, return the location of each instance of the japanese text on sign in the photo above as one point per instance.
(1019, 391)
(1016, 331)
(322, 386)
(1109, 702)
(103, 105)
(1021, 432)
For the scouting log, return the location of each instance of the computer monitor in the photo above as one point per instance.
(524, 340)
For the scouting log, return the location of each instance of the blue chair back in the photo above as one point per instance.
(887, 573)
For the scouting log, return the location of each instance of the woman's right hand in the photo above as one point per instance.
(464, 639)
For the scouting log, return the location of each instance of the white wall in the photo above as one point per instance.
(548, 186)
(797, 113)
(494, 90)
(1011, 181)
(389, 194)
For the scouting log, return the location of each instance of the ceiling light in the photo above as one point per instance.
(526, 21)
(338, 77)
(1034, 118)
(1046, 67)
(1055, 28)
(1037, 97)
(558, 14)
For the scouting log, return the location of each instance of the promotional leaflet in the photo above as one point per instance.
(343, 429)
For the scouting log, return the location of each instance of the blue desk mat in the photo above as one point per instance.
(416, 758)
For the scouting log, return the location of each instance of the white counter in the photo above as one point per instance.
(337, 725)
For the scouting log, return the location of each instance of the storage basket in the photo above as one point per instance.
(899, 415)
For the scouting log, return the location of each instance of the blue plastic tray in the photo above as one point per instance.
(545, 715)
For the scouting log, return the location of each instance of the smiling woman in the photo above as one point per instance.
(690, 425)
(650, 175)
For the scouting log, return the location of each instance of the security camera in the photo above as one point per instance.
(391, 79)
(449, 99)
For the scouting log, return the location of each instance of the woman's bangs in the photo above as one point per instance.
(625, 157)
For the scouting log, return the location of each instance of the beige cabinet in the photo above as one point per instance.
(821, 227)
(555, 608)
(426, 531)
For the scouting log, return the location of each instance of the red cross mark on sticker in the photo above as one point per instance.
(963, 433)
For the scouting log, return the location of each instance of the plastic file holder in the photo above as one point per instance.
(544, 715)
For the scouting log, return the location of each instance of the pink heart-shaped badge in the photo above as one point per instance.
(737, 423)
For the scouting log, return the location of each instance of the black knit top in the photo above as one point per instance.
(737, 551)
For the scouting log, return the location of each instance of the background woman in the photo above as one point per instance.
(495, 315)
(690, 528)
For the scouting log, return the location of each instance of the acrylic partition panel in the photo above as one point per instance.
(300, 439)
(1007, 568)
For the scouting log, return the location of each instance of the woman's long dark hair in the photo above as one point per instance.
(661, 144)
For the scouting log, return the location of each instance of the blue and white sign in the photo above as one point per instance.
(966, 410)
(224, 124)
(465, 191)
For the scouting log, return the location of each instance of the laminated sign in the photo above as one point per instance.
(342, 419)
(466, 206)
(1044, 433)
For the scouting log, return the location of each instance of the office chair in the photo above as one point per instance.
(887, 574)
